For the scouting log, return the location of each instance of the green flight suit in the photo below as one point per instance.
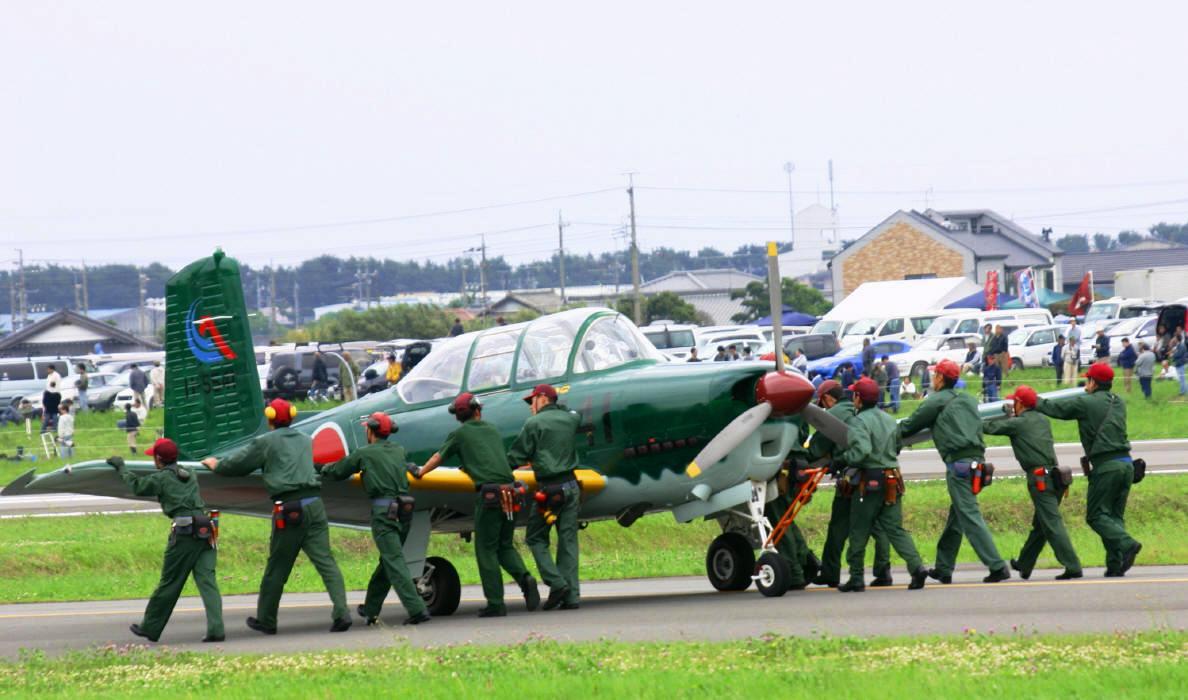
(957, 432)
(838, 531)
(548, 442)
(1101, 422)
(792, 546)
(383, 465)
(872, 447)
(1031, 440)
(479, 449)
(286, 458)
(177, 492)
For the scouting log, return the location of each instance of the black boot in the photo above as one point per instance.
(369, 620)
(882, 579)
(556, 597)
(918, 579)
(135, 629)
(996, 576)
(1129, 557)
(342, 624)
(1069, 575)
(1022, 574)
(530, 591)
(493, 612)
(417, 619)
(255, 624)
(946, 579)
(853, 585)
(214, 638)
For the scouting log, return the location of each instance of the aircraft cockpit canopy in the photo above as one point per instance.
(537, 351)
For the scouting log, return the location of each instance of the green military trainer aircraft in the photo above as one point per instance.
(696, 439)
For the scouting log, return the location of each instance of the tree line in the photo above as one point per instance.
(329, 279)
(1103, 242)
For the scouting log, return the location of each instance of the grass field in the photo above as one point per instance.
(119, 556)
(975, 665)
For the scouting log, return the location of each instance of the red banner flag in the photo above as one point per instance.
(1082, 298)
(991, 303)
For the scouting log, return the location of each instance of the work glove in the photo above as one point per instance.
(414, 470)
(116, 462)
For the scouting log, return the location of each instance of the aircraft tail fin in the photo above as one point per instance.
(212, 388)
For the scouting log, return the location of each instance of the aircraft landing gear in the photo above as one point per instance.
(440, 587)
(729, 562)
(773, 576)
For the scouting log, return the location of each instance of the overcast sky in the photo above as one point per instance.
(142, 131)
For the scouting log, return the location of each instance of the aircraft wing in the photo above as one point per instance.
(994, 409)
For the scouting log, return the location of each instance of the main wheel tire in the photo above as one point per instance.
(729, 562)
(1016, 363)
(443, 591)
(773, 576)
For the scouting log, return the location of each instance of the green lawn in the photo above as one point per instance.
(974, 665)
(106, 557)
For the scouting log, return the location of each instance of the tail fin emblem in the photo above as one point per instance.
(204, 339)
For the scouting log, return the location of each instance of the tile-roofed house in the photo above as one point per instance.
(959, 243)
(68, 332)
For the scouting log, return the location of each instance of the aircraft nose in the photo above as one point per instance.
(787, 392)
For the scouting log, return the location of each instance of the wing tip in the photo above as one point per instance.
(17, 486)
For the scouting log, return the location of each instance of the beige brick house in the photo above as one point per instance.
(966, 243)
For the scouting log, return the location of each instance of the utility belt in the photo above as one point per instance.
(981, 473)
(1140, 465)
(290, 513)
(399, 508)
(200, 526)
(507, 498)
(885, 482)
(550, 498)
(846, 480)
(1061, 479)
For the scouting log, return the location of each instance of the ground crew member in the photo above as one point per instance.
(382, 463)
(802, 565)
(191, 548)
(832, 398)
(299, 519)
(957, 431)
(1031, 440)
(479, 449)
(548, 442)
(872, 448)
(1101, 421)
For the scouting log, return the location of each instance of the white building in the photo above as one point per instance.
(814, 242)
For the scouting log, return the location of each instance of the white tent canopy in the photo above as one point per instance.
(901, 297)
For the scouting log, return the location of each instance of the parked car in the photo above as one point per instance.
(813, 345)
(827, 367)
(907, 327)
(25, 377)
(745, 336)
(972, 321)
(1031, 346)
(928, 351)
(290, 374)
(671, 339)
(101, 390)
(125, 395)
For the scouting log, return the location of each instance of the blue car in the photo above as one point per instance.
(828, 367)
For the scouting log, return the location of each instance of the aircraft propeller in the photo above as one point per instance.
(778, 393)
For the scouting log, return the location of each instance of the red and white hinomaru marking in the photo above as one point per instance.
(329, 444)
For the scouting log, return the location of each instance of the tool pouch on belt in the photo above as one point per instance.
(289, 514)
(203, 529)
(182, 526)
(872, 484)
(847, 482)
(554, 496)
(1140, 470)
(401, 509)
(489, 494)
(1061, 479)
(892, 486)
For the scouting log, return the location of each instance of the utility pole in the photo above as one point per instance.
(272, 298)
(86, 299)
(259, 289)
(12, 302)
(832, 206)
(483, 272)
(788, 168)
(561, 253)
(464, 261)
(22, 292)
(636, 309)
(296, 304)
(77, 293)
(141, 279)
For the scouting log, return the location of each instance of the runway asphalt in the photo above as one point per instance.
(649, 609)
(1163, 456)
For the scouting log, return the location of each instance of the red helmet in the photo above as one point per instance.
(381, 423)
(866, 389)
(164, 448)
(466, 404)
(948, 369)
(280, 412)
(1100, 372)
(1024, 395)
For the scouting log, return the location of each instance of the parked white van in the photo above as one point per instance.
(972, 321)
(908, 327)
